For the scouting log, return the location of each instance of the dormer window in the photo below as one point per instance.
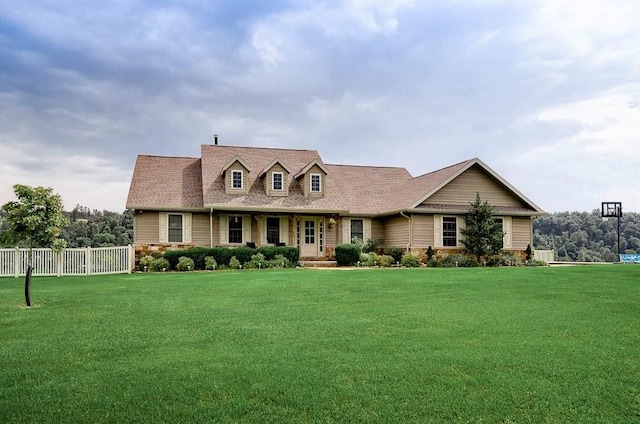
(277, 179)
(315, 183)
(237, 180)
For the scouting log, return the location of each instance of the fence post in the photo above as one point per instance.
(131, 259)
(59, 256)
(87, 261)
(16, 262)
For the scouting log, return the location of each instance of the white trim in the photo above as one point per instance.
(163, 227)
(273, 181)
(311, 190)
(241, 172)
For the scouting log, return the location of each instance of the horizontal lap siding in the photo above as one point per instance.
(422, 231)
(146, 227)
(377, 230)
(521, 233)
(396, 232)
(463, 189)
(200, 229)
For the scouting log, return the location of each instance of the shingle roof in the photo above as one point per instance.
(161, 182)
(192, 183)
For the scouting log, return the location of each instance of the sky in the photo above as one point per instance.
(545, 92)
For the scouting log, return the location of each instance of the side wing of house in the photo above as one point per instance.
(436, 218)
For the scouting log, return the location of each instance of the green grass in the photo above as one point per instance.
(325, 346)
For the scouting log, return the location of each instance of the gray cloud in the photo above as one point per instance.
(542, 92)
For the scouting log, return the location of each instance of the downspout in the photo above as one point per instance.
(410, 231)
(211, 220)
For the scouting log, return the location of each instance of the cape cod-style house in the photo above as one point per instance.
(236, 196)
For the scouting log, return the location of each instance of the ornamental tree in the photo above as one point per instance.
(483, 235)
(34, 220)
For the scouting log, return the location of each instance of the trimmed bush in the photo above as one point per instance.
(395, 252)
(385, 261)
(223, 255)
(145, 263)
(257, 262)
(160, 264)
(410, 261)
(234, 263)
(347, 254)
(371, 246)
(280, 261)
(185, 264)
(210, 263)
(463, 261)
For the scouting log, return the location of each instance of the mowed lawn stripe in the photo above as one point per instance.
(397, 345)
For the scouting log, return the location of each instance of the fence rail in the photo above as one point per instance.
(81, 261)
(544, 255)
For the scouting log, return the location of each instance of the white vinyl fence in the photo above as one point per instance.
(544, 255)
(81, 261)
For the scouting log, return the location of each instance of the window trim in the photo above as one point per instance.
(319, 190)
(351, 229)
(455, 238)
(233, 174)
(169, 228)
(273, 181)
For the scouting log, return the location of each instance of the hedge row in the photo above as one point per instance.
(223, 255)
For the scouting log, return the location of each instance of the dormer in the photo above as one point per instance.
(236, 176)
(312, 179)
(276, 178)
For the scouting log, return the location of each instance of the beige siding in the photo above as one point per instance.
(396, 232)
(200, 235)
(237, 166)
(146, 226)
(377, 230)
(422, 231)
(521, 233)
(331, 235)
(268, 183)
(305, 181)
(462, 190)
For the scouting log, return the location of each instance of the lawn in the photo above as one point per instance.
(325, 346)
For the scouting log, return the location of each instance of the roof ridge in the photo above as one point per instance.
(169, 157)
(259, 148)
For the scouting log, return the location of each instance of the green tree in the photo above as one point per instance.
(35, 220)
(483, 235)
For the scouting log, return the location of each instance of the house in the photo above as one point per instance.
(234, 196)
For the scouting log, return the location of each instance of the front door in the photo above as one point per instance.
(309, 237)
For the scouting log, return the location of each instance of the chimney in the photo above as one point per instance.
(215, 139)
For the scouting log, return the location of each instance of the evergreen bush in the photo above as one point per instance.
(347, 254)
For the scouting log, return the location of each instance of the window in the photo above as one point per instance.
(236, 179)
(175, 228)
(357, 229)
(235, 229)
(277, 181)
(273, 230)
(315, 183)
(309, 232)
(449, 231)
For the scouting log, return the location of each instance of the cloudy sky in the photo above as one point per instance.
(546, 92)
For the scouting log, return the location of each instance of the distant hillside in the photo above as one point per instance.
(584, 236)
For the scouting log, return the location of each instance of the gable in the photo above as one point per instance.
(462, 191)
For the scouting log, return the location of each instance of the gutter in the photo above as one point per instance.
(211, 227)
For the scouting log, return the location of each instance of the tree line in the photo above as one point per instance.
(89, 228)
(574, 236)
(585, 236)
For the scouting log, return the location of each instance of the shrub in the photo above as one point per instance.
(145, 262)
(257, 262)
(234, 263)
(347, 254)
(185, 264)
(159, 264)
(222, 255)
(433, 263)
(395, 252)
(410, 261)
(385, 261)
(464, 261)
(371, 246)
(210, 263)
(280, 261)
(505, 259)
(430, 253)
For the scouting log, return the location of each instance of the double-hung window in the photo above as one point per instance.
(315, 183)
(235, 229)
(449, 231)
(175, 228)
(277, 181)
(273, 230)
(357, 229)
(236, 180)
(500, 224)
